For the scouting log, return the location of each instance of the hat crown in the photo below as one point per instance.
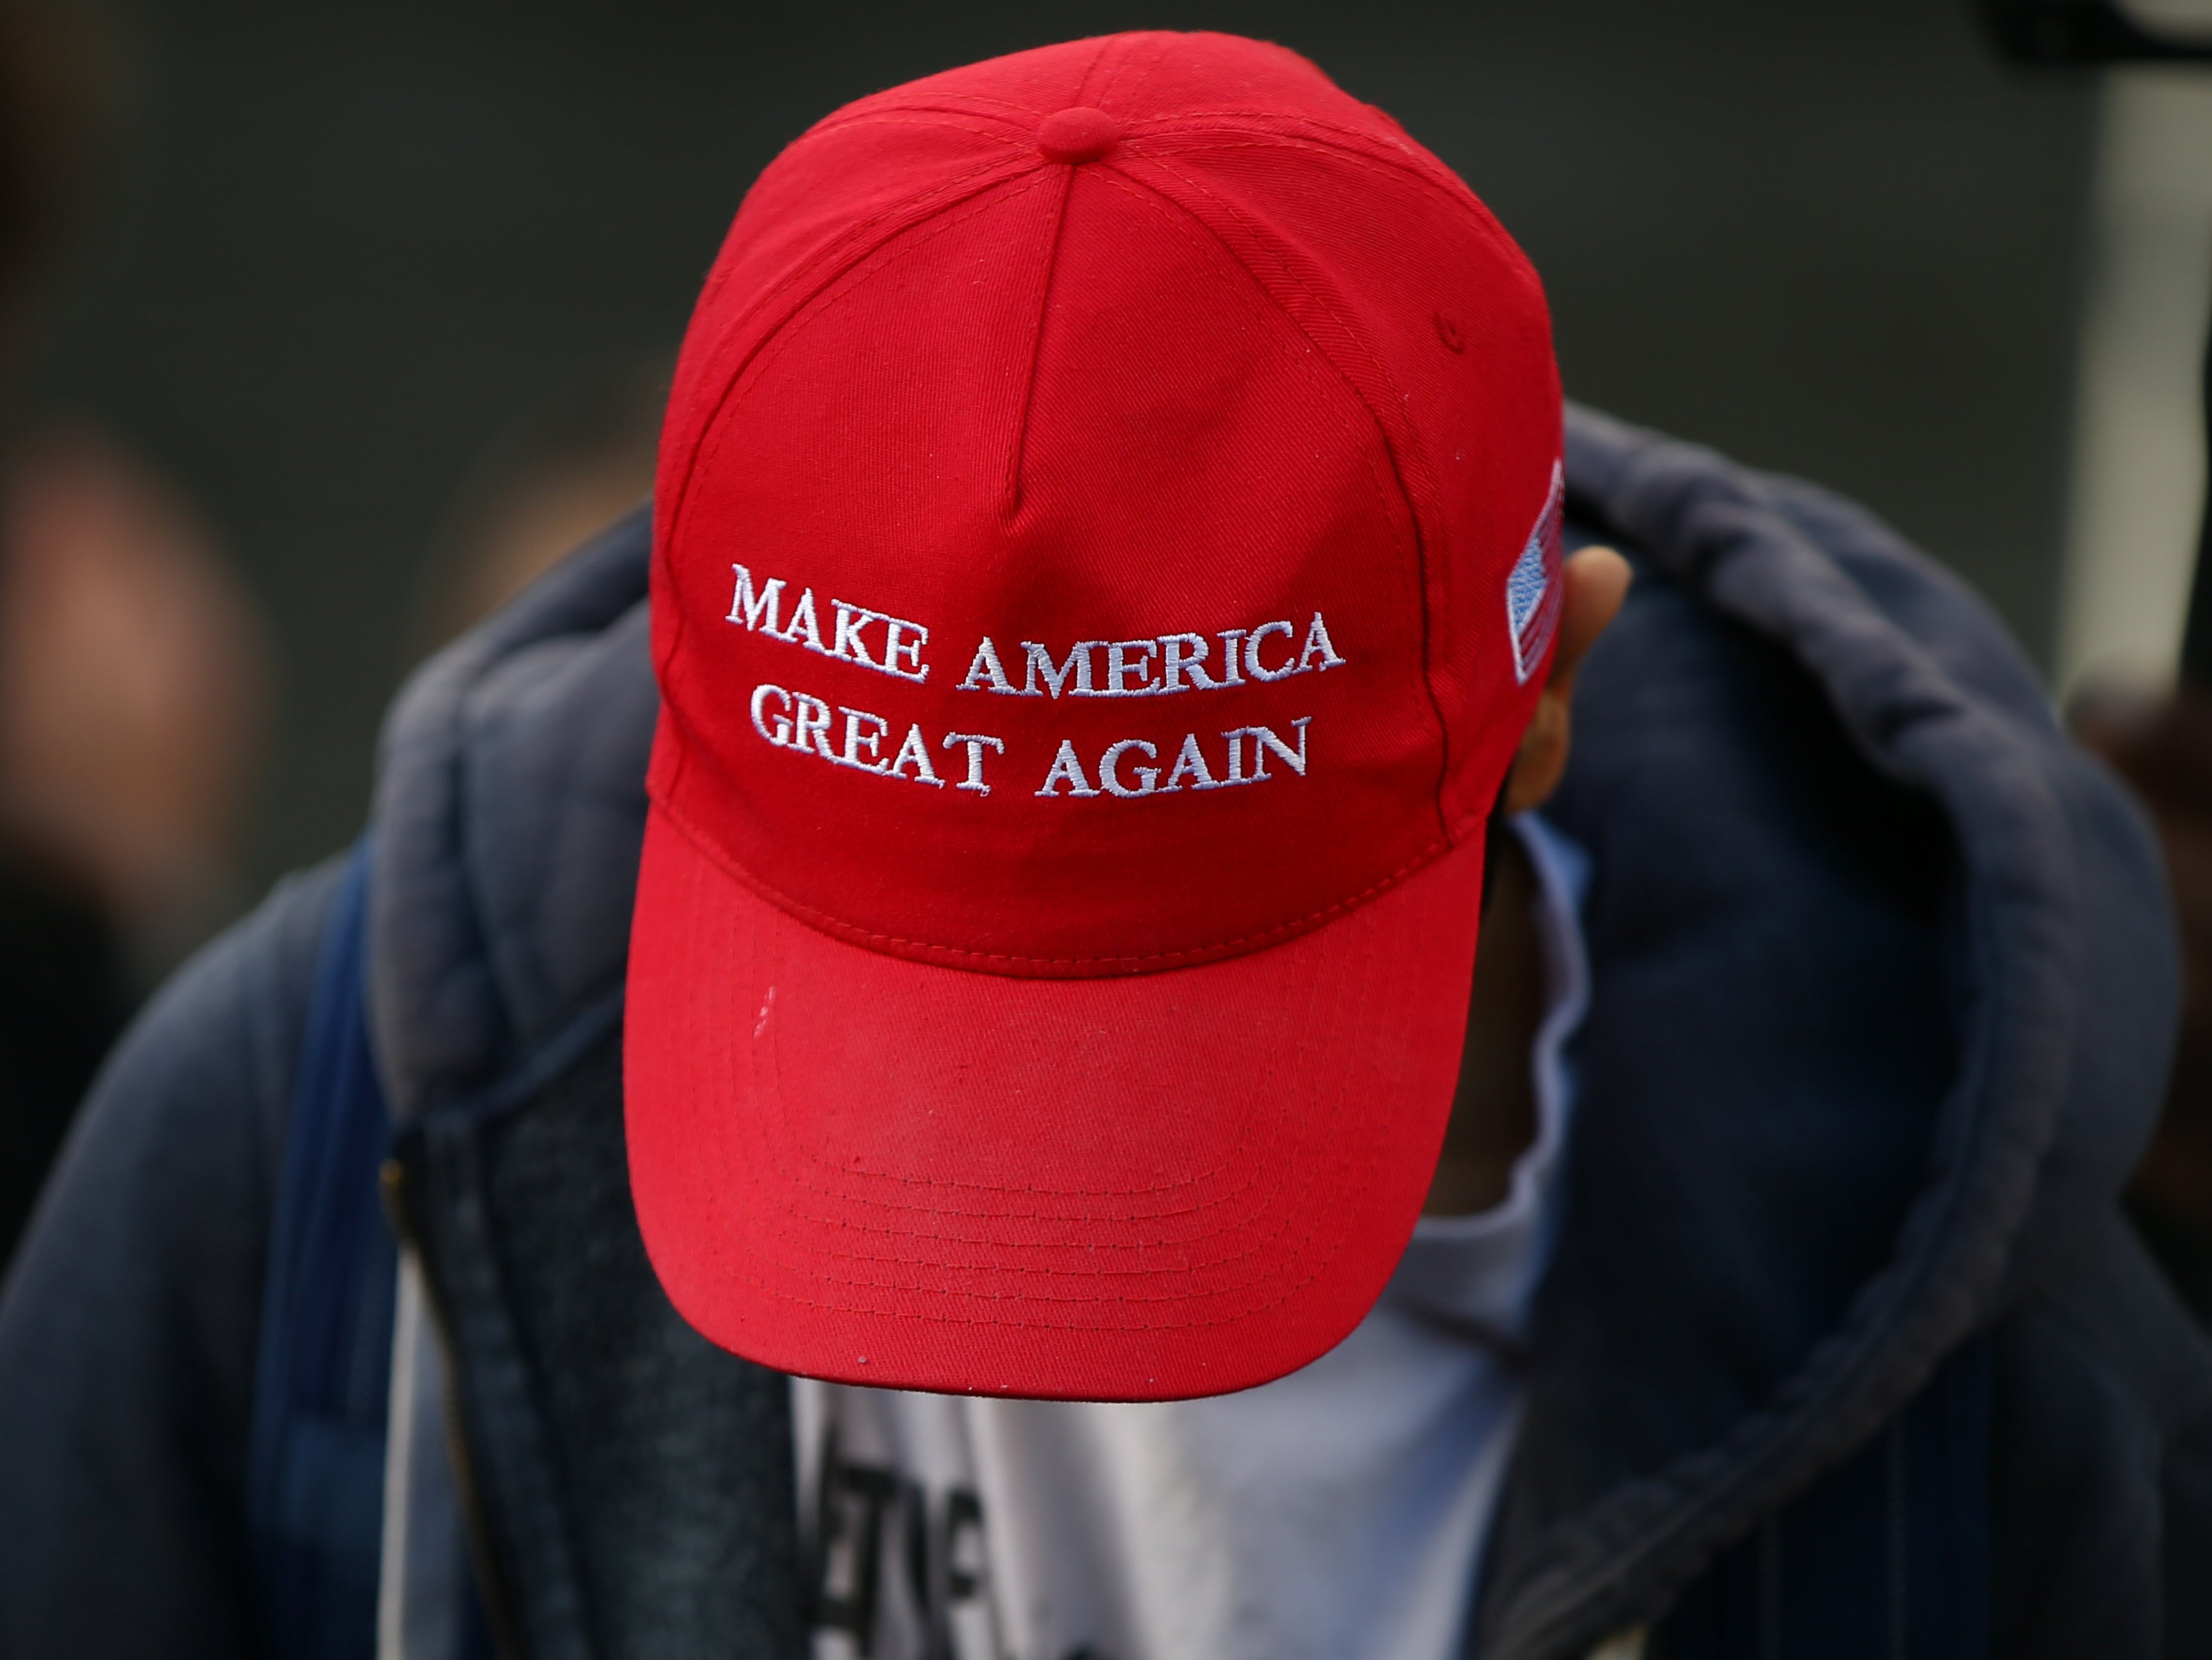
(1090, 490)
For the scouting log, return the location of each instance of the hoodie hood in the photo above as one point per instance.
(1884, 986)
(1884, 993)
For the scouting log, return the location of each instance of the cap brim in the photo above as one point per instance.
(857, 1167)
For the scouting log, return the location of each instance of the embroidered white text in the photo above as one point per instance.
(897, 650)
(1165, 663)
(1133, 766)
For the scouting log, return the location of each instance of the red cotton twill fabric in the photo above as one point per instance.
(1105, 556)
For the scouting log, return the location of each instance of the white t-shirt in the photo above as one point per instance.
(1339, 1512)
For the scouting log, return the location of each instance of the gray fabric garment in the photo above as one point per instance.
(1884, 983)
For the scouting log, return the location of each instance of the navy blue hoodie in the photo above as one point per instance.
(1844, 1350)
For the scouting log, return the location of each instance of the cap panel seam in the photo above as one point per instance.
(819, 303)
(1012, 132)
(1291, 129)
(1351, 331)
(843, 254)
(1083, 81)
(1010, 492)
(804, 313)
(890, 97)
(848, 253)
(1012, 140)
(1182, 219)
(1163, 43)
(1397, 466)
(1453, 189)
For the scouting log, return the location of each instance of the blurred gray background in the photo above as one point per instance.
(343, 245)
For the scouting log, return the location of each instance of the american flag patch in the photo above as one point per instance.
(1532, 589)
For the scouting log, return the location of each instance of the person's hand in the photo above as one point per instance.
(1597, 582)
(1494, 1116)
(132, 681)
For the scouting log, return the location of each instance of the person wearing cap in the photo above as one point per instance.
(1013, 1033)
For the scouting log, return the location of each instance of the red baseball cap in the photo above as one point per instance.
(1106, 552)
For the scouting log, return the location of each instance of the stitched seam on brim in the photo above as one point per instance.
(823, 924)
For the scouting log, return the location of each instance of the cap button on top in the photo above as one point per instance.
(1081, 134)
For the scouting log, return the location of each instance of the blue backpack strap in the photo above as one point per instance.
(314, 1494)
